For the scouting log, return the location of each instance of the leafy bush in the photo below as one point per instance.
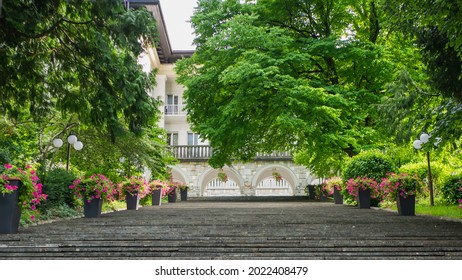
(56, 186)
(440, 172)
(452, 190)
(370, 164)
(4, 159)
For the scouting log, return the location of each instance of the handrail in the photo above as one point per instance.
(175, 110)
(204, 152)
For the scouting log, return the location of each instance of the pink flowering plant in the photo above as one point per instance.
(158, 184)
(329, 185)
(94, 187)
(133, 186)
(172, 186)
(400, 184)
(182, 186)
(30, 190)
(353, 185)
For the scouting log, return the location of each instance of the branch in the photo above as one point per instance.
(53, 27)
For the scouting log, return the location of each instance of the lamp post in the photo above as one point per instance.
(419, 144)
(71, 140)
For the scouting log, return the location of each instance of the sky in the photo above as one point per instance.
(176, 15)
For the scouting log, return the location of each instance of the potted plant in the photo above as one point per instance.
(183, 191)
(19, 190)
(171, 192)
(277, 176)
(362, 188)
(310, 189)
(157, 189)
(222, 176)
(402, 188)
(93, 190)
(334, 186)
(323, 192)
(132, 189)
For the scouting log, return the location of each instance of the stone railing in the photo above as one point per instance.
(204, 152)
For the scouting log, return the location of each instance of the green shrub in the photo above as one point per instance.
(56, 185)
(4, 158)
(371, 164)
(146, 201)
(440, 172)
(452, 190)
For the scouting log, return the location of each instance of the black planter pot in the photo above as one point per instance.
(10, 211)
(406, 206)
(184, 194)
(323, 198)
(364, 198)
(172, 196)
(311, 192)
(93, 208)
(132, 201)
(338, 197)
(157, 197)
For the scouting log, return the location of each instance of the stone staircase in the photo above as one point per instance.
(240, 230)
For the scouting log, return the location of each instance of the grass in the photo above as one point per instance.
(422, 207)
(451, 211)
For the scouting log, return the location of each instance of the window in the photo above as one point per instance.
(172, 105)
(193, 138)
(172, 139)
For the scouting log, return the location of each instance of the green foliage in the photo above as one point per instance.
(4, 158)
(430, 100)
(439, 172)
(78, 57)
(57, 212)
(371, 164)
(56, 185)
(452, 190)
(265, 78)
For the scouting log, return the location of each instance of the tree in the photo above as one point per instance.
(79, 57)
(428, 99)
(29, 141)
(282, 76)
(436, 27)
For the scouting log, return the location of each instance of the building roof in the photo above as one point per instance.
(164, 49)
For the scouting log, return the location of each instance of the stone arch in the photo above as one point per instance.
(267, 171)
(211, 174)
(180, 175)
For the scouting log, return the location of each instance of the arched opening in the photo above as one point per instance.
(212, 185)
(217, 187)
(275, 180)
(270, 186)
(179, 176)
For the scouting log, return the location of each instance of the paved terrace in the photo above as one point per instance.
(240, 230)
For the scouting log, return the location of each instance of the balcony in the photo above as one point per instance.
(204, 152)
(175, 110)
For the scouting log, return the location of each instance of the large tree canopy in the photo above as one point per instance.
(79, 57)
(432, 104)
(294, 75)
(437, 28)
